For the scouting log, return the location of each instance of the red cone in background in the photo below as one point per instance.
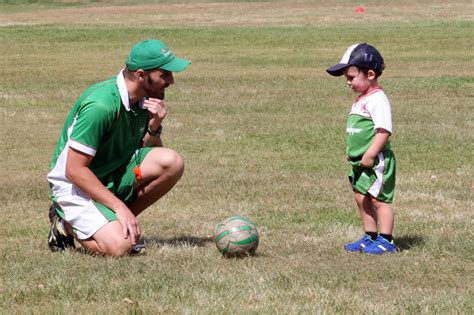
(360, 10)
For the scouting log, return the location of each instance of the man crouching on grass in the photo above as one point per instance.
(110, 164)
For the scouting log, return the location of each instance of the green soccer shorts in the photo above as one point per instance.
(378, 181)
(87, 216)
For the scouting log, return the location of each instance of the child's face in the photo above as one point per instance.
(358, 80)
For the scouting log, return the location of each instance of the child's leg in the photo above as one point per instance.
(369, 222)
(367, 212)
(385, 216)
(384, 242)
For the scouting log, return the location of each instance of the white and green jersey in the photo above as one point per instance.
(100, 124)
(369, 112)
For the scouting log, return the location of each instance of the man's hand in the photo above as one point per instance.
(157, 112)
(130, 226)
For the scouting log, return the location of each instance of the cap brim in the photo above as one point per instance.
(176, 65)
(337, 70)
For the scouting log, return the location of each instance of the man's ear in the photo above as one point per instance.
(140, 74)
(371, 75)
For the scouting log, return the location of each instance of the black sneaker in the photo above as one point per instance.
(52, 213)
(57, 241)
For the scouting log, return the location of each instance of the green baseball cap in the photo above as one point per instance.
(151, 54)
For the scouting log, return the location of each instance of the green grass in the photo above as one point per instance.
(261, 127)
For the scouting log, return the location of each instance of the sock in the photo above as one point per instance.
(373, 235)
(388, 237)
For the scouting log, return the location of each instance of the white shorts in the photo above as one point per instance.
(85, 216)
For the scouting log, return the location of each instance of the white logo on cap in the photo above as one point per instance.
(165, 53)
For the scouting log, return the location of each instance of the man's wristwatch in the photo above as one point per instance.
(155, 134)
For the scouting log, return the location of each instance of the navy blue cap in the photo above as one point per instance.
(362, 55)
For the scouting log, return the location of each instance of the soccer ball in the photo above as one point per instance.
(236, 236)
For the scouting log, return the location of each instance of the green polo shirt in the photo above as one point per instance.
(100, 124)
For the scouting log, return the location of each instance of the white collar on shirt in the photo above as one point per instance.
(124, 92)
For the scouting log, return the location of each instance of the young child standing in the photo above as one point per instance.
(369, 127)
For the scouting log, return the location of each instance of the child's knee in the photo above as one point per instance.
(359, 198)
(381, 205)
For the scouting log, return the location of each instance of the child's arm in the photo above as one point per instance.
(381, 138)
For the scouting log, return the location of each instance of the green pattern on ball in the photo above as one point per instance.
(236, 236)
(247, 241)
(236, 217)
(221, 235)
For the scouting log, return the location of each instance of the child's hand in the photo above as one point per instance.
(367, 161)
(381, 138)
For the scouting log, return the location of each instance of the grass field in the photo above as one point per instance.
(261, 127)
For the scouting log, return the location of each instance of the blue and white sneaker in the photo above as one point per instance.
(380, 246)
(359, 245)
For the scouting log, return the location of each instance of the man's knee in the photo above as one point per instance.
(121, 247)
(119, 251)
(114, 249)
(170, 162)
(110, 240)
(162, 163)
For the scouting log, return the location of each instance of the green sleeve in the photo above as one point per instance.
(93, 120)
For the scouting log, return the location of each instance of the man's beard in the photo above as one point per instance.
(150, 91)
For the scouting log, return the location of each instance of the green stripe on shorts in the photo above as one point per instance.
(106, 212)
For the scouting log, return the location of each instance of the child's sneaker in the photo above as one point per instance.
(380, 246)
(359, 245)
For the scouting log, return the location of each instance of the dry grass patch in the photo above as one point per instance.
(202, 14)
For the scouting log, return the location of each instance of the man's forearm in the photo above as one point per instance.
(89, 184)
(150, 141)
(152, 137)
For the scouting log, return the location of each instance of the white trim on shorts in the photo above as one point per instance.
(81, 212)
(376, 186)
